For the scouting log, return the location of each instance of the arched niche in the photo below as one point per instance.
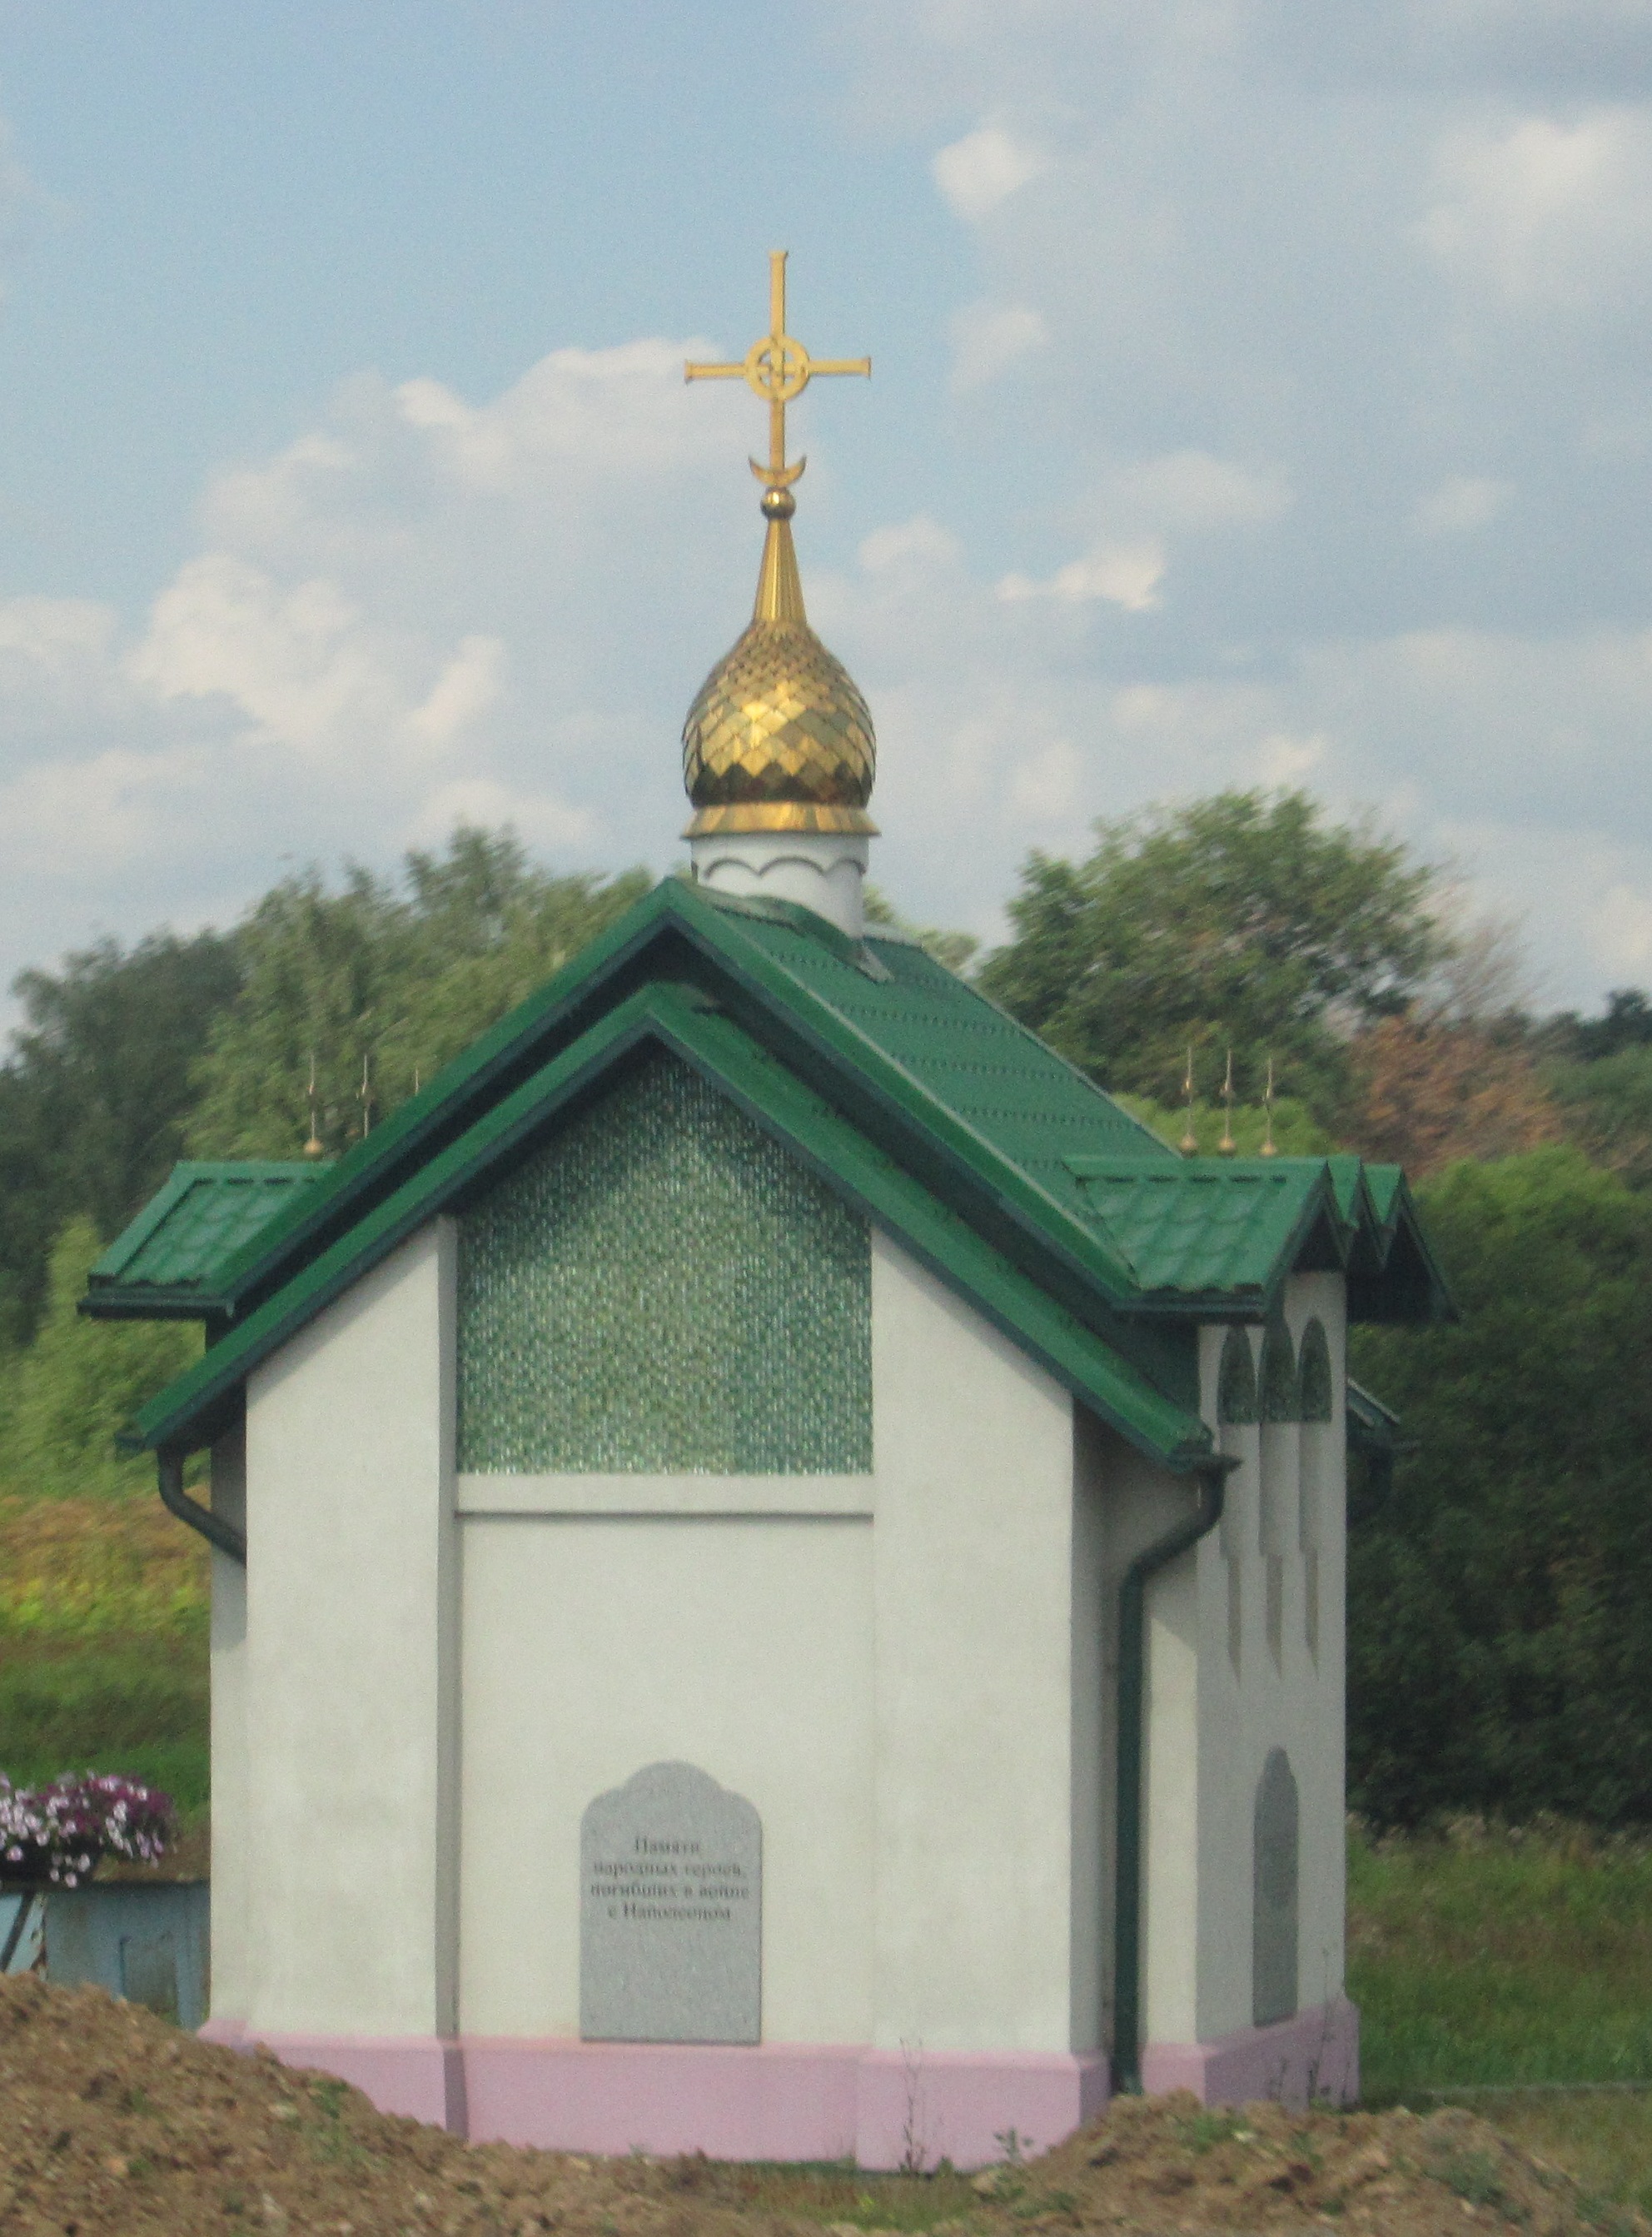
(1278, 1378)
(1274, 1902)
(1236, 1380)
(1314, 1393)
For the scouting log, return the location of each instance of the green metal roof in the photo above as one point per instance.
(203, 1216)
(1208, 1226)
(1012, 1150)
(194, 1406)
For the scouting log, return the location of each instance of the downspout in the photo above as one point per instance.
(169, 1472)
(1132, 1706)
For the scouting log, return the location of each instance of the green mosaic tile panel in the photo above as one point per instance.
(664, 1290)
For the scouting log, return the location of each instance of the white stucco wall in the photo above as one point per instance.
(596, 1643)
(910, 1675)
(884, 1665)
(230, 1852)
(1296, 1702)
(350, 1658)
(974, 1680)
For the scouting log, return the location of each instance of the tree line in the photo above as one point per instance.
(1500, 1615)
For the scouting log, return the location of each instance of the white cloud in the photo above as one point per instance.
(1191, 489)
(1282, 760)
(1461, 503)
(1127, 575)
(909, 547)
(989, 338)
(1622, 930)
(984, 169)
(1542, 212)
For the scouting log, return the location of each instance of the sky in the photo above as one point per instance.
(1261, 395)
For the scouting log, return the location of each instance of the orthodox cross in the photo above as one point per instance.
(778, 368)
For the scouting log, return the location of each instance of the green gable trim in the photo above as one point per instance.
(664, 1289)
(988, 1119)
(172, 1252)
(912, 1048)
(193, 1408)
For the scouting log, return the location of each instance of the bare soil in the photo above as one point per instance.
(111, 2121)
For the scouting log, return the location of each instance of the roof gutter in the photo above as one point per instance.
(168, 1468)
(1130, 1751)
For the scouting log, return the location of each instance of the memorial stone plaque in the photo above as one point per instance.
(671, 1911)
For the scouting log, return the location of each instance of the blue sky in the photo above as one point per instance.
(1261, 395)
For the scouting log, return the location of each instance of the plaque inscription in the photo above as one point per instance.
(671, 1911)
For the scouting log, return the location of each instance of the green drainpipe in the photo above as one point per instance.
(177, 1500)
(1132, 1688)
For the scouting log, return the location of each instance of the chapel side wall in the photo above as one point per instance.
(1317, 1685)
(1094, 1733)
(598, 1643)
(1144, 1502)
(230, 1796)
(351, 1709)
(973, 1692)
(1296, 1701)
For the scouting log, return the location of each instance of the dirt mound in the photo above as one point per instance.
(1168, 2163)
(111, 2120)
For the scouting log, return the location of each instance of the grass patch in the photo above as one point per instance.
(1483, 1956)
(103, 1616)
(1604, 2140)
(1484, 1960)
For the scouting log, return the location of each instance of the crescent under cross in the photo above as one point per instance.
(778, 368)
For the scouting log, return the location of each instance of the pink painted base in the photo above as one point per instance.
(1315, 2056)
(419, 2075)
(881, 2108)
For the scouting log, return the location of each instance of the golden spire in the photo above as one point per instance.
(1226, 1146)
(315, 1147)
(1189, 1144)
(778, 738)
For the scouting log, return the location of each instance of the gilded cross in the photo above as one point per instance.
(778, 368)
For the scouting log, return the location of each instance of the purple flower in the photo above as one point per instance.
(59, 1832)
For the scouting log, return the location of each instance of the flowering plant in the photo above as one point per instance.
(62, 1832)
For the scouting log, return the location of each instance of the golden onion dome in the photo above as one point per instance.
(778, 738)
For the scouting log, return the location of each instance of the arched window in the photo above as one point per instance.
(1279, 1375)
(1273, 1888)
(1314, 1375)
(1236, 1383)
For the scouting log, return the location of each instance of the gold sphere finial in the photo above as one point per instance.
(779, 504)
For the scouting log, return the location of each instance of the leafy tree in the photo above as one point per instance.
(1500, 1603)
(80, 1381)
(95, 1096)
(378, 987)
(1430, 1091)
(1241, 921)
(1626, 1023)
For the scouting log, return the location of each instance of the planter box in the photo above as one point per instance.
(144, 1940)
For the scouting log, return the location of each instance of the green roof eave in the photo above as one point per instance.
(713, 930)
(164, 1263)
(193, 1408)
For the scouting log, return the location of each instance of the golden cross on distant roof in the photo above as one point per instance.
(778, 368)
